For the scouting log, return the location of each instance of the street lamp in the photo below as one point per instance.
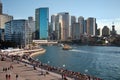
(64, 65)
(48, 62)
(86, 70)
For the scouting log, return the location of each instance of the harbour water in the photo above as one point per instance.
(98, 61)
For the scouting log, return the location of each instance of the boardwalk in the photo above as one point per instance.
(25, 72)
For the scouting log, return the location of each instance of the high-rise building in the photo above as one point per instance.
(105, 31)
(81, 21)
(53, 21)
(73, 20)
(58, 23)
(91, 26)
(3, 19)
(76, 31)
(42, 22)
(0, 7)
(65, 25)
(31, 24)
(18, 31)
(85, 26)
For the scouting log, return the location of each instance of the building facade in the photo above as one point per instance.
(81, 22)
(91, 26)
(18, 31)
(65, 25)
(3, 19)
(42, 22)
(76, 31)
(105, 31)
(31, 24)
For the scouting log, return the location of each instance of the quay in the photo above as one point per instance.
(29, 69)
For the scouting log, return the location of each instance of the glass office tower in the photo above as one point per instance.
(42, 22)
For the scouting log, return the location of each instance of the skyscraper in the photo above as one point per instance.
(42, 22)
(3, 19)
(91, 26)
(73, 20)
(65, 25)
(76, 31)
(81, 21)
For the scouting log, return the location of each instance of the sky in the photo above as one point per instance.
(106, 12)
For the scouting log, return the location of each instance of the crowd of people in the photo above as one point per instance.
(63, 72)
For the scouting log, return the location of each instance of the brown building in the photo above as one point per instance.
(105, 31)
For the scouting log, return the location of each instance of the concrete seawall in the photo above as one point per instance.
(38, 52)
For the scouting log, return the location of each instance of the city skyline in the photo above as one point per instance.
(105, 12)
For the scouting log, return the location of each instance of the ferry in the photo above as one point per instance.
(66, 47)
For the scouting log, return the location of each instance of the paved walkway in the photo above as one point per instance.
(25, 72)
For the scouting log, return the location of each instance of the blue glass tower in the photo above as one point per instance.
(42, 22)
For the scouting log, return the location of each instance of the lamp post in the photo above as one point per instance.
(86, 70)
(64, 65)
(48, 62)
(63, 74)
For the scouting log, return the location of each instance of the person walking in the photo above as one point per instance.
(9, 77)
(6, 76)
(16, 76)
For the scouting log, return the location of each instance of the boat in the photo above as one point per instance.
(66, 47)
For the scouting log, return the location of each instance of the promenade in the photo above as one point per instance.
(25, 72)
(29, 69)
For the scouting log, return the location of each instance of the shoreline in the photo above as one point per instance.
(41, 51)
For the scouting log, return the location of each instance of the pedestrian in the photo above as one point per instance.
(9, 76)
(3, 69)
(62, 76)
(16, 76)
(6, 76)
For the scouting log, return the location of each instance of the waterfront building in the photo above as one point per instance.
(53, 21)
(85, 26)
(4, 17)
(65, 25)
(81, 22)
(91, 26)
(76, 31)
(18, 31)
(73, 20)
(98, 33)
(105, 31)
(42, 22)
(58, 23)
(1, 34)
(61, 24)
(31, 24)
(52, 25)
